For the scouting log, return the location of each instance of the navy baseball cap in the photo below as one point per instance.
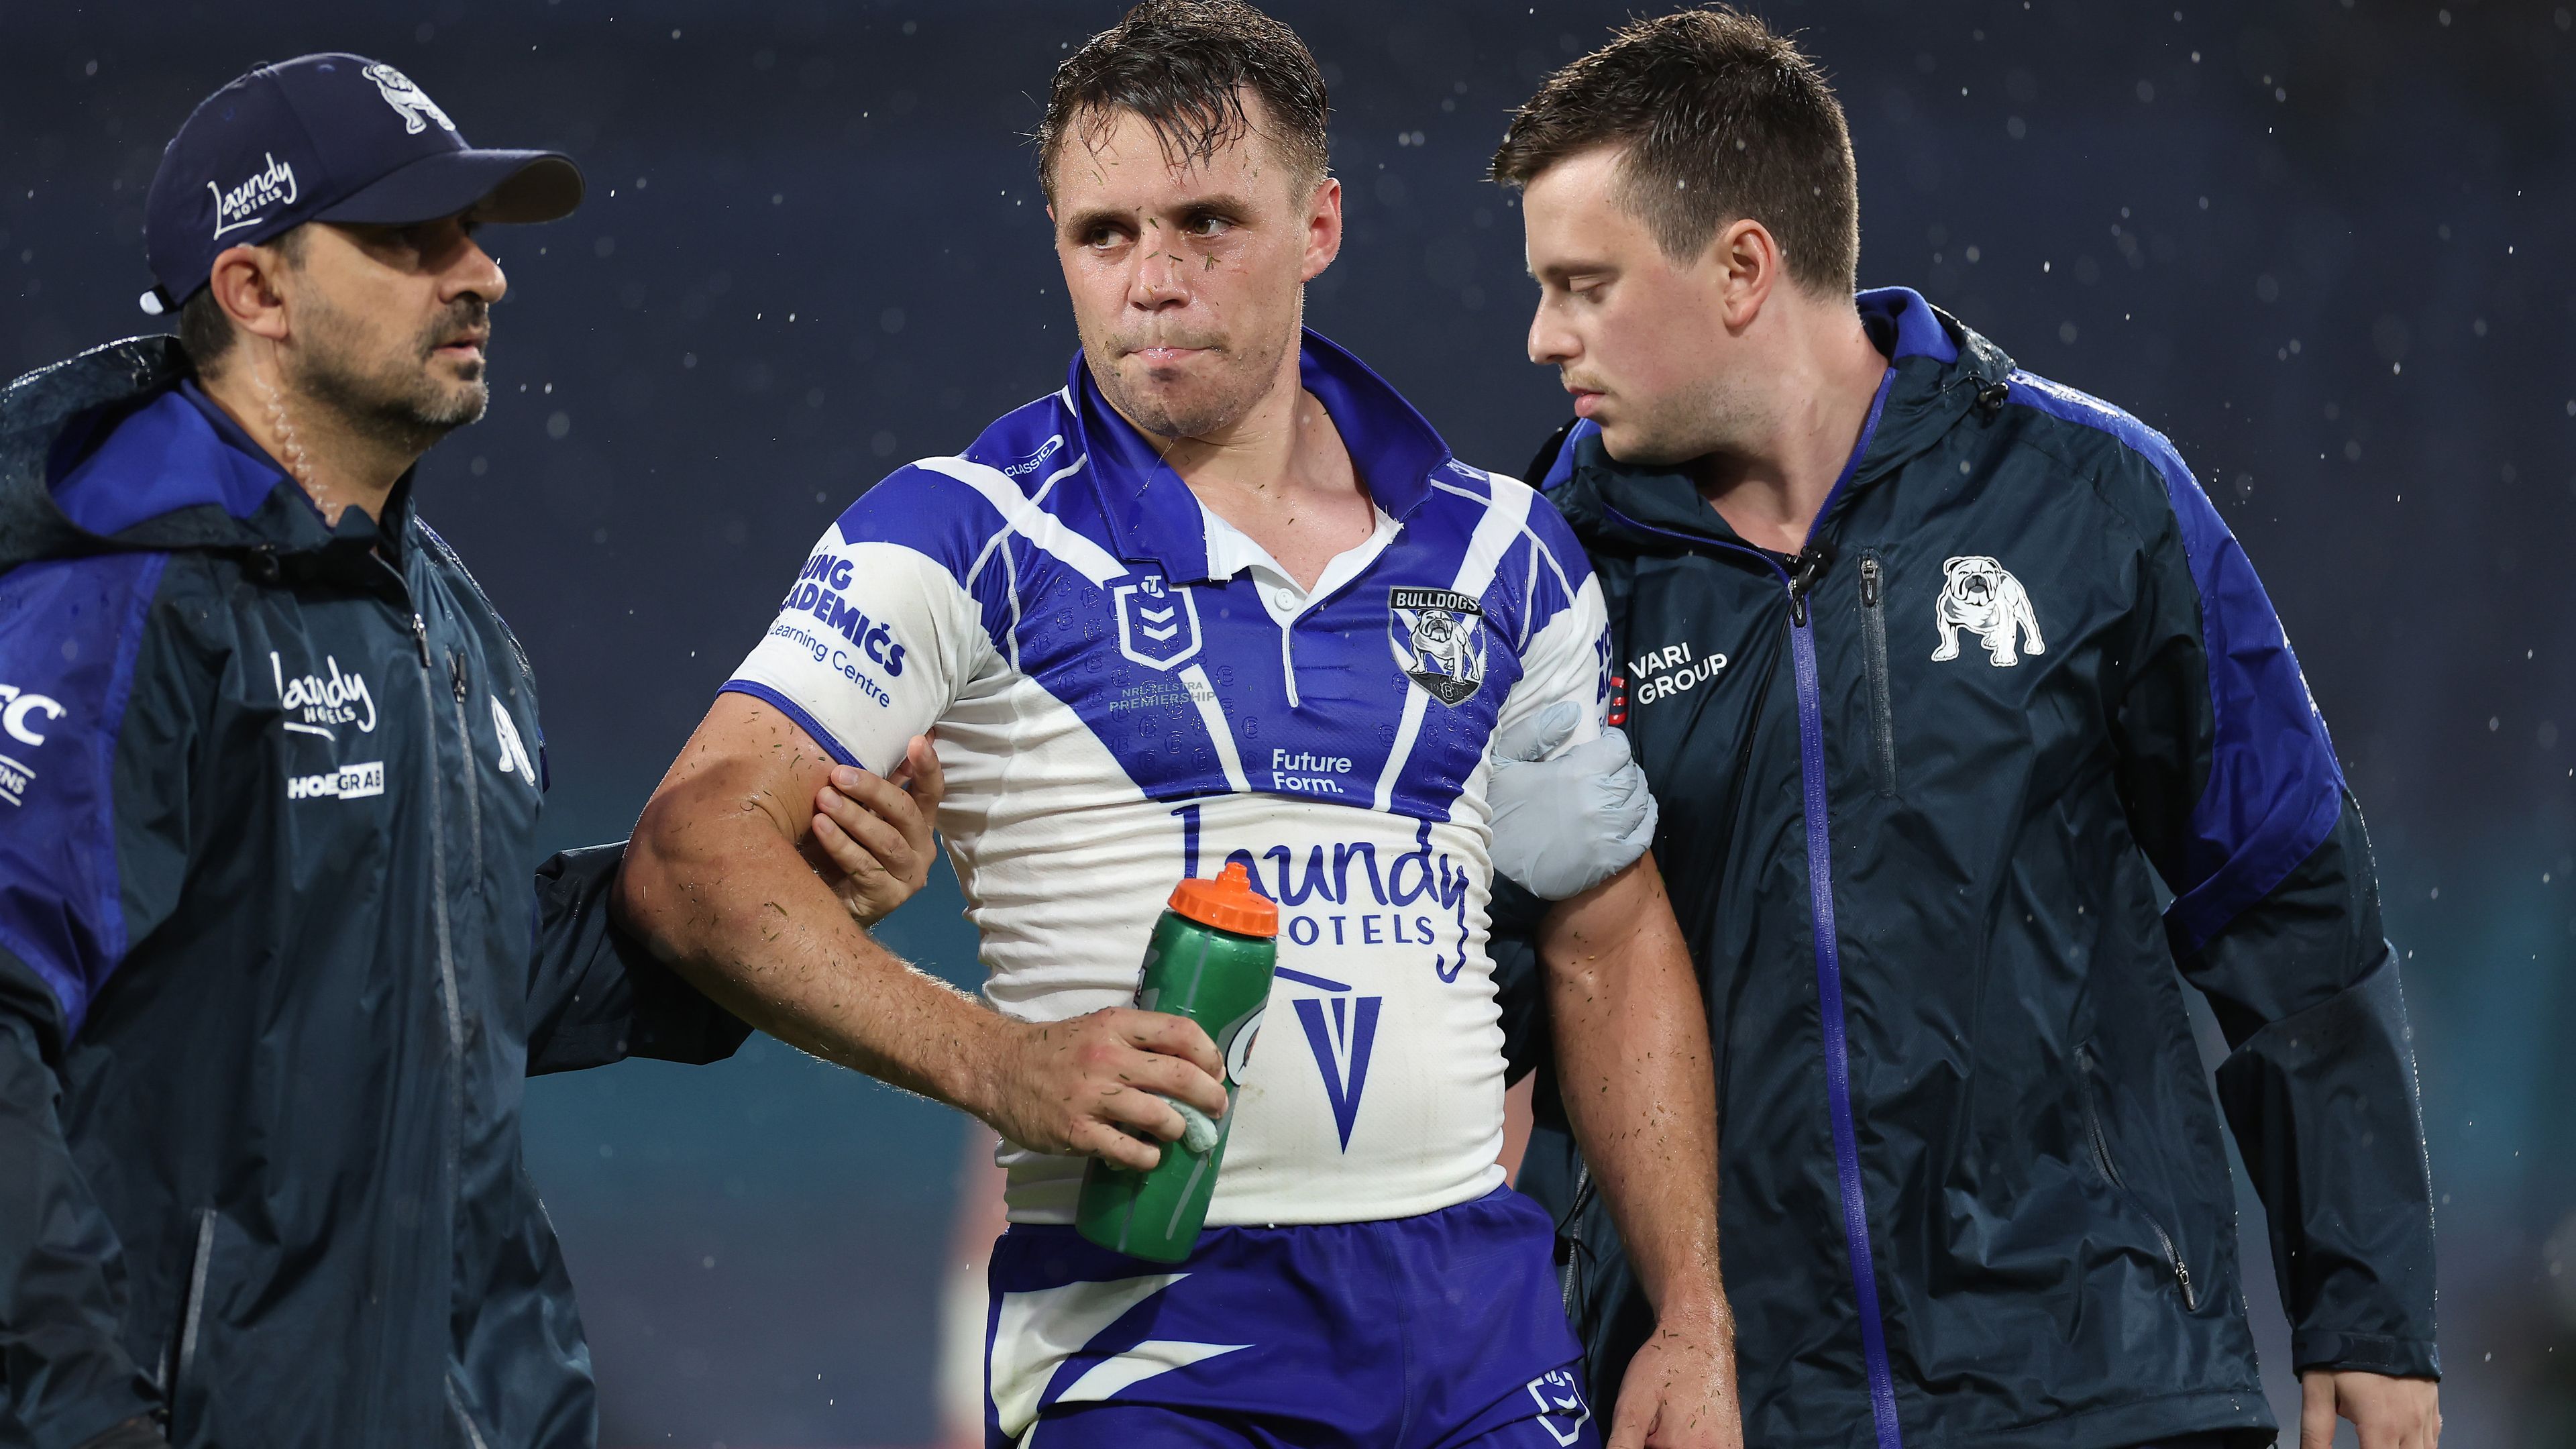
(327, 138)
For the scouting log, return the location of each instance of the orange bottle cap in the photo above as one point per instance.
(1228, 903)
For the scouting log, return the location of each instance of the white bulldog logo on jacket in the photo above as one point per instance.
(1982, 597)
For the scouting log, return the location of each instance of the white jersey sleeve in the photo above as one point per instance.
(879, 634)
(1567, 654)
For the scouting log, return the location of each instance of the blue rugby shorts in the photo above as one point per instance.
(1443, 1331)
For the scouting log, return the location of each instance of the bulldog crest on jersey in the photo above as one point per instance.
(1158, 625)
(1439, 641)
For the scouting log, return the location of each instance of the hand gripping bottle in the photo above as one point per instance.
(1209, 960)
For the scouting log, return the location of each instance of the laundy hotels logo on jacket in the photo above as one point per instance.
(1125, 690)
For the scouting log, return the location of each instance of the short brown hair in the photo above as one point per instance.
(1183, 66)
(1723, 120)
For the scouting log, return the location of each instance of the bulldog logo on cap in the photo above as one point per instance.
(302, 141)
(407, 99)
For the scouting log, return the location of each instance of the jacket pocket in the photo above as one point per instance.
(2110, 1170)
(1873, 636)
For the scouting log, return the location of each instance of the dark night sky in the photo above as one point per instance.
(2322, 244)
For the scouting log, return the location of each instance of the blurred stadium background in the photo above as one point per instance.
(2325, 244)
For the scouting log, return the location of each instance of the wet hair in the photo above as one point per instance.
(1721, 119)
(1184, 65)
(205, 330)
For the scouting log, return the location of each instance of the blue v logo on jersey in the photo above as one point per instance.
(1439, 641)
(1158, 625)
(1342, 1052)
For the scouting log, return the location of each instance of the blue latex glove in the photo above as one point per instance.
(1565, 825)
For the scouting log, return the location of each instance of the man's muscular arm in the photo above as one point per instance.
(721, 880)
(1633, 1068)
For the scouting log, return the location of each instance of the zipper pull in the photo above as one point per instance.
(456, 674)
(420, 637)
(1804, 565)
(1869, 581)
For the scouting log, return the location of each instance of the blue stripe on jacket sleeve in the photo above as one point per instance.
(69, 633)
(2275, 789)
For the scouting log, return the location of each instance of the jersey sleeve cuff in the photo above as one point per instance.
(790, 708)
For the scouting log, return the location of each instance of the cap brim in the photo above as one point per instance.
(497, 186)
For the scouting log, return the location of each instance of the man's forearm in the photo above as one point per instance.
(714, 884)
(1633, 1068)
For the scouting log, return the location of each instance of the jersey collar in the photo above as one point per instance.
(1157, 518)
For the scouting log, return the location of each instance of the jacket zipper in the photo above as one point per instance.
(192, 1311)
(473, 786)
(1873, 636)
(465, 739)
(1798, 577)
(1567, 1277)
(1829, 994)
(438, 873)
(464, 1420)
(2111, 1174)
(453, 1143)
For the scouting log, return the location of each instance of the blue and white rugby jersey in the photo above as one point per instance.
(1126, 690)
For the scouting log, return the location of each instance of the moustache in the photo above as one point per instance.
(465, 317)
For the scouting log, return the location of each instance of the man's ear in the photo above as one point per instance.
(245, 284)
(1323, 228)
(1749, 265)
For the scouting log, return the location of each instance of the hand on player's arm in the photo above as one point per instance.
(1634, 1070)
(1566, 819)
(2386, 1412)
(873, 831)
(715, 880)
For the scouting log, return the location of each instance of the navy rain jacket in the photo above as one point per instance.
(1947, 798)
(268, 806)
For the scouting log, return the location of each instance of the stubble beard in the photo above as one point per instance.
(396, 400)
(1714, 416)
(1208, 404)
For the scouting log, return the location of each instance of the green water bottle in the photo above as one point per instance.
(1209, 960)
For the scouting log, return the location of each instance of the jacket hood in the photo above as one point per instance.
(1942, 369)
(103, 453)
